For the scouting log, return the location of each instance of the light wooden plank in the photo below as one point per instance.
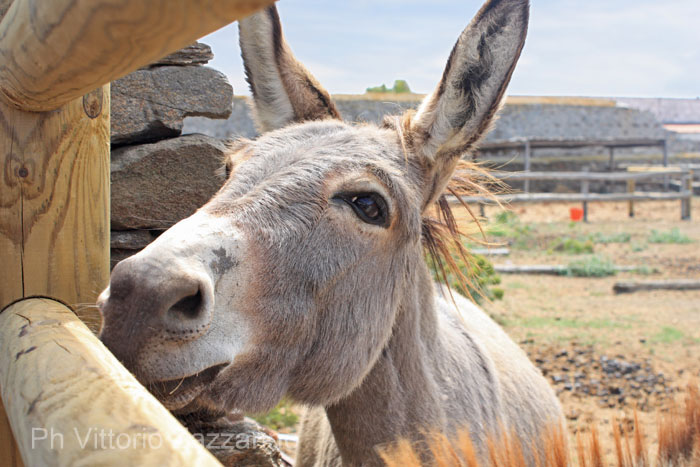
(55, 51)
(62, 388)
(54, 215)
(9, 452)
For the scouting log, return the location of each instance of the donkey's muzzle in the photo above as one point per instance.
(153, 300)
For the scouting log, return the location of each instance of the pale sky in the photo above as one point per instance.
(633, 48)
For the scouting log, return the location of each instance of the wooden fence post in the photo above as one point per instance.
(686, 203)
(630, 203)
(585, 188)
(664, 146)
(54, 214)
(527, 165)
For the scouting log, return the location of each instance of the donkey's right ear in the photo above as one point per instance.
(283, 89)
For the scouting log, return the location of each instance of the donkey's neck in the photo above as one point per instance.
(399, 397)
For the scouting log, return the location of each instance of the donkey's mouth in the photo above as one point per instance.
(177, 393)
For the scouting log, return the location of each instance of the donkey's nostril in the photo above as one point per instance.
(189, 308)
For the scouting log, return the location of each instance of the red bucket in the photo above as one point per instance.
(576, 214)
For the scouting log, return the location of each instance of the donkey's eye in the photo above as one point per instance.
(369, 207)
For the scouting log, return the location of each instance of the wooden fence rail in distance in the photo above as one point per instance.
(678, 284)
(529, 145)
(685, 195)
(59, 56)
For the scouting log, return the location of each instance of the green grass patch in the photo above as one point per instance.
(507, 225)
(280, 417)
(672, 236)
(570, 245)
(637, 247)
(621, 237)
(667, 335)
(591, 266)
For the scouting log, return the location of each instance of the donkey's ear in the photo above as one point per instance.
(452, 119)
(283, 89)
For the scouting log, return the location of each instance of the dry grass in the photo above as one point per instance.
(678, 435)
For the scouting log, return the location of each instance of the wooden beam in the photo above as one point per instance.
(53, 52)
(545, 269)
(591, 176)
(679, 284)
(54, 215)
(671, 170)
(63, 389)
(556, 143)
(490, 251)
(9, 452)
(572, 197)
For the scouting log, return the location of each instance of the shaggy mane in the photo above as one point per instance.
(441, 234)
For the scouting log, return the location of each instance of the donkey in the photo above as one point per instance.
(304, 276)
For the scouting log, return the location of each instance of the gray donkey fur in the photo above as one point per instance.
(304, 275)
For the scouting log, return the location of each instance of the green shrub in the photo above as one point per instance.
(673, 236)
(591, 266)
(400, 86)
(481, 277)
(507, 226)
(280, 417)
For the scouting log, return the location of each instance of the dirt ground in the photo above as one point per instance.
(606, 354)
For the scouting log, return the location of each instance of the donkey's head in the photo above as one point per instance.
(291, 279)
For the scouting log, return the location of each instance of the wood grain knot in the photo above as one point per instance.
(92, 103)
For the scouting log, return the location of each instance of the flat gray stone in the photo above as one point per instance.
(130, 239)
(150, 104)
(156, 185)
(193, 54)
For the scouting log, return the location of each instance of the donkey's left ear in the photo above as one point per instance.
(458, 113)
(284, 91)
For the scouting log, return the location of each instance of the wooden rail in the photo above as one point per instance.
(685, 195)
(57, 59)
(529, 145)
(556, 143)
(635, 286)
(70, 402)
(56, 51)
(590, 176)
